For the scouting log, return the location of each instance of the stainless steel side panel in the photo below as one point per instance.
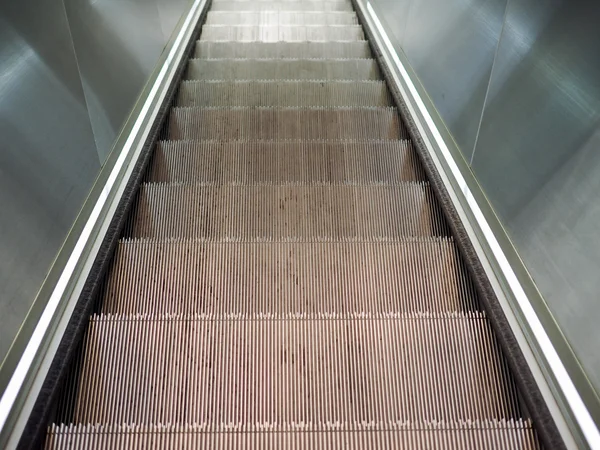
(538, 158)
(117, 43)
(48, 159)
(451, 45)
(169, 13)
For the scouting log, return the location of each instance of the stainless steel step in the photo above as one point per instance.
(284, 370)
(266, 162)
(297, 50)
(287, 212)
(277, 33)
(282, 69)
(310, 5)
(281, 18)
(284, 94)
(230, 124)
(286, 278)
(449, 435)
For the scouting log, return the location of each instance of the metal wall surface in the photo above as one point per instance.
(517, 85)
(451, 45)
(70, 73)
(538, 158)
(48, 159)
(117, 43)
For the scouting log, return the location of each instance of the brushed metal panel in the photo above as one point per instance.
(538, 158)
(169, 13)
(117, 43)
(48, 159)
(393, 15)
(451, 46)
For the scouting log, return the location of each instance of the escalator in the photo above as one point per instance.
(287, 277)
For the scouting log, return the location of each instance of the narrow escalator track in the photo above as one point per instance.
(287, 278)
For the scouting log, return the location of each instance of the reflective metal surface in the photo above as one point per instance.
(516, 84)
(117, 44)
(394, 16)
(538, 158)
(451, 46)
(48, 159)
(169, 13)
(70, 74)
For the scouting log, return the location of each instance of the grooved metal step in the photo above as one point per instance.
(297, 50)
(281, 18)
(238, 6)
(284, 93)
(289, 212)
(449, 435)
(286, 278)
(266, 162)
(282, 69)
(292, 370)
(277, 33)
(284, 123)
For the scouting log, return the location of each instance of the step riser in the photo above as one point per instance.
(238, 6)
(284, 279)
(284, 94)
(486, 435)
(279, 124)
(281, 33)
(282, 163)
(297, 213)
(281, 18)
(291, 371)
(243, 70)
(298, 50)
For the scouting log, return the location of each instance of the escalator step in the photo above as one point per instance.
(284, 94)
(282, 69)
(298, 50)
(268, 5)
(231, 124)
(281, 18)
(287, 212)
(267, 162)
(484, 434)
(277, 33)
(287, 370)
(196, 277)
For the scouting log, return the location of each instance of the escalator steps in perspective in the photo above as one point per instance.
(287, 278)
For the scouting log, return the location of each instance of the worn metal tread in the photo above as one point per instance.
(277, 33)
(273, 50)
(193, 123)
(288, 93)
(281, 18)
(290, 212)
(447, 435)
(153, 276)
(224, 370)
(282, 69)
(272, 162)
(266, 5)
